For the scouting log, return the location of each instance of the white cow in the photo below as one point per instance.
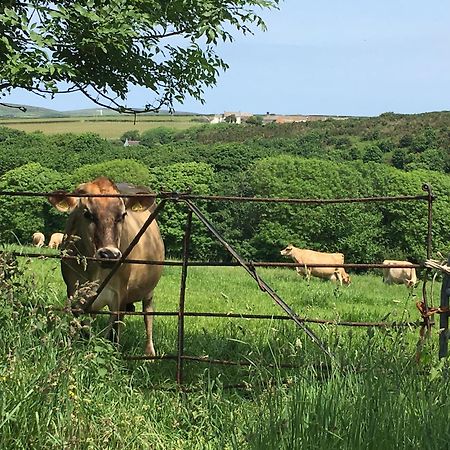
(55, 240)
(38, 239)
(307, 257)
(399, 275)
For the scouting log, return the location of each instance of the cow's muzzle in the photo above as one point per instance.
(109, 254)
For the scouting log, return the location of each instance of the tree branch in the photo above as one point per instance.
(19, 107)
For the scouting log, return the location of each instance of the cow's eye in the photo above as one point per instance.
(121, 217)
(88, 215)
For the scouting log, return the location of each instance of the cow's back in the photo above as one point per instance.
(55, 240)
(399, 275)
(304, 256)
(38, 239)
(308, 257)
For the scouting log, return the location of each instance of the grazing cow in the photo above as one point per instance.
(103, 228)
(307, 257)
(399, 275)
(55, 240)
(38, 239)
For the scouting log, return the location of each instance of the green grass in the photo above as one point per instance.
(58, 390)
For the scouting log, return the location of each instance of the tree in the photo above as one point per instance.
(22, 216)
(373, 153)
(254, 120)
(119, 170)
(103, 47)
(197, 178)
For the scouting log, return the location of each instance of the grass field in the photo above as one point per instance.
(60, 391)
(107, 127)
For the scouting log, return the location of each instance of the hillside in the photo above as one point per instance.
(34, 112)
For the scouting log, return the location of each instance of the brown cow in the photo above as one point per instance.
(399, 275)
(104, 228)
(38, 239)
(55, 240)
(307, 257)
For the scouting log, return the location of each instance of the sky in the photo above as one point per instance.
(345, 57)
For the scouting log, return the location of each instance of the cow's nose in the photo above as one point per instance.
(109, 253)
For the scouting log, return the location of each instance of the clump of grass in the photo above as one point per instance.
(58, 390)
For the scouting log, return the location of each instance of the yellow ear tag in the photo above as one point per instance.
(136, 207)
(63, 205)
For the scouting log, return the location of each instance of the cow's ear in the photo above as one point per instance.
(139, 204)
(62, 202)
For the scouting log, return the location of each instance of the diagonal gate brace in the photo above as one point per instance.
(249, 267)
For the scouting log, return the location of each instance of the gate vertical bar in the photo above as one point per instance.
(443, 319)
(184, 270)
(427, 188)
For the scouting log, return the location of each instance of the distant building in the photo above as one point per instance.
(231, 117)
(129, 142)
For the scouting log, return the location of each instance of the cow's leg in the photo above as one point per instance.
(338, 276)
(114, 327)
(308, 274)
(111, 297)
(147, 306)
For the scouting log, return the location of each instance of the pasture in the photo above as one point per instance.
(58, 390)
(107, 127)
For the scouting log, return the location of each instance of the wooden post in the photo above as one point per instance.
(443, 319)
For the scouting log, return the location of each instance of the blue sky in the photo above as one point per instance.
(343, 57)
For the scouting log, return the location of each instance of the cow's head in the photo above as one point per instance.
(346, 279)
(287, 251)
(98, 221)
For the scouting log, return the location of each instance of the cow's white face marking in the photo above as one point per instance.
(287, 251)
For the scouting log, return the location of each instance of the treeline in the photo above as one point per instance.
(289, 160)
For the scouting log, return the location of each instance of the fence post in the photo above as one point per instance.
(184, 268)
(443, 319)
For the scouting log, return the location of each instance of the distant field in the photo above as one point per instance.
(107, 127)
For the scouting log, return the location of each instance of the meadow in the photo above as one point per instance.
(58, 390)
(107, 127)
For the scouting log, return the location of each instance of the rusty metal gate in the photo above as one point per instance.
(251, 268)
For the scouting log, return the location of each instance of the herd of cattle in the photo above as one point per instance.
(55, 241)
(308, 258)
(103, 227)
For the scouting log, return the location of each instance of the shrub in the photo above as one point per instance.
(132, 135)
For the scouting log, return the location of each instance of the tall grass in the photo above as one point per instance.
(58, 390)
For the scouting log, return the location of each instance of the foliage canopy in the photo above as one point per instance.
(103, 47)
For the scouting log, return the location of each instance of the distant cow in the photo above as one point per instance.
(55, 240)
(104, 228)
(399, 275)
(38, 239)
(307, 257)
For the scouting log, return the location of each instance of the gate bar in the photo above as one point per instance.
(184, 270)
(443, 319)
(261, 283)
(430, 197)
